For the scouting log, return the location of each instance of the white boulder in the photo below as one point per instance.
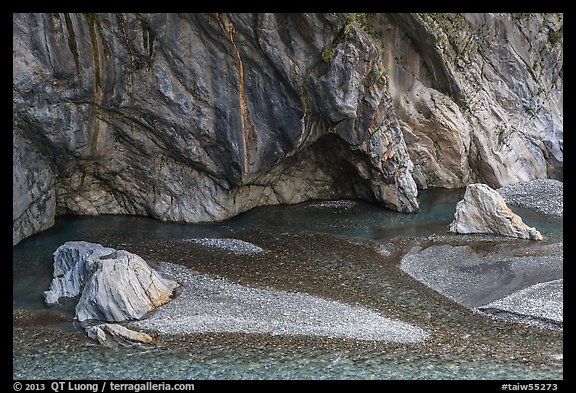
(483, 210)
(115, 286)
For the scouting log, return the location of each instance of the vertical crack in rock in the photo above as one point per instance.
(90, 19)
(72, 46)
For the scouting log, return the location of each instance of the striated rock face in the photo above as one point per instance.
(74, 264)
(115, 286)
(34, 200)
(200, 117)
(478, 96)
(123, 287)
(483, 210)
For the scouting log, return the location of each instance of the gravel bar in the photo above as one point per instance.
(539, 305)
(338, 204)
(473, 279)
(215, 305)
(235, 246)
(543, 195)
(505, 283)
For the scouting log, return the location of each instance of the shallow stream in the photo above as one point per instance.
(342, 250)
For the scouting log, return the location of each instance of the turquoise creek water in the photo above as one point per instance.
(328, 249)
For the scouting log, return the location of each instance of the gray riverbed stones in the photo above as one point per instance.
(338, 204)
(500, 281)
(118, 286)
(234, 246)
(207, 304)
(542, 195)
(483, 210)
(539, 305)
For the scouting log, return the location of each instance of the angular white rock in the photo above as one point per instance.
(483, 210)
(115, 285)
(103, 332)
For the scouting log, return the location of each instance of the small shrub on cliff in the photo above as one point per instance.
(555, 36)
(328, 54)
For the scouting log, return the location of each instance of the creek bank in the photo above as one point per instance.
(495, 279)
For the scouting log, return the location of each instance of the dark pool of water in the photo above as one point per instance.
(464, 346)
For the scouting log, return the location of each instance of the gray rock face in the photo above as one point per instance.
(115, 286)
(34, 200)
(478, 96)
(123, 287)
(483, 210)
(200, 117)
(74, 264)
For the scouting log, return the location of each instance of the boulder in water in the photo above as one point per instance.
(115, 285)
(483, 210)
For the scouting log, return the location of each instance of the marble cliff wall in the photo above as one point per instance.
(197, 118)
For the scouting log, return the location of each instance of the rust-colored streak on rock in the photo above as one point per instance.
(248, 131)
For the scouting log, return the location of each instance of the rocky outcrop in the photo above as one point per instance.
(34, 200)
(74, 264)
(115, 285)
(483, 210)
(478, 96)
(200, 117)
